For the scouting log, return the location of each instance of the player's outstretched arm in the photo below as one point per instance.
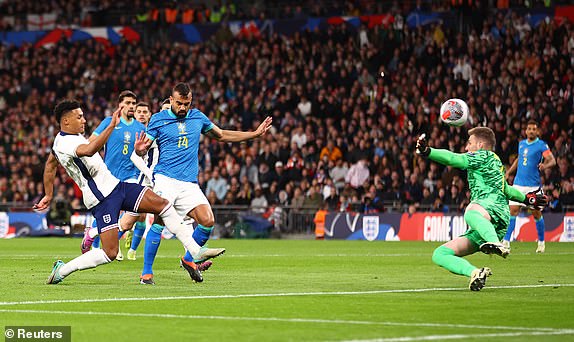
(444, 157)
(49, 176)
(98, 142)
(238, 136)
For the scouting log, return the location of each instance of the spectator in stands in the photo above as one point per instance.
(259, 202)
(332, 90)
(358, 174)
(217, 184)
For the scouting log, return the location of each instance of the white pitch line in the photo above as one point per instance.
(288, 320)
(467, 336)
(262, 295)
(230, 255)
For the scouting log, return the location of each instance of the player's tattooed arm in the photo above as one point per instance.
(549, 161)
(215, 133)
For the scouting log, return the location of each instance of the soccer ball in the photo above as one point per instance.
(454, 112)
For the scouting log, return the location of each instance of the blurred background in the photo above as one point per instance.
(343, 136)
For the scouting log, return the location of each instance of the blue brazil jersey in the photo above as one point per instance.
(178, 142)
(529, 156)
(120, 146)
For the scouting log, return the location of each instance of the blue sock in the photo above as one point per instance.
(200, 235)
(187, 257)
(139, 230)
(152, 241)
(540, 228)
(120, 233)
(96, 243)
(510, 228)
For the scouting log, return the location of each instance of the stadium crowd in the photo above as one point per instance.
(343, 135)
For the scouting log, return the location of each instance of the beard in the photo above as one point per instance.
(180, 113)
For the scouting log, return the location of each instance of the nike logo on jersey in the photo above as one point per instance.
(117, 128)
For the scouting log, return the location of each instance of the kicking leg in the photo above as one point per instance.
(152, 203)
(203, 215)
(90, 259)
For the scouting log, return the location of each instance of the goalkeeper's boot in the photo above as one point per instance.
(129, 236)
(55, 276)
(494, 248)
(131, 254)
(192, 269)
(541, 247)
(204, 266)
(208, 253)
(478, 278)
(87, 241)
(147, 279)
(120, 255)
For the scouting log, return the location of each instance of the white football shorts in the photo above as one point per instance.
(185, 196)
(524, 190)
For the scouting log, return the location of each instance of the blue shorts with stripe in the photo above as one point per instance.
(125, 196)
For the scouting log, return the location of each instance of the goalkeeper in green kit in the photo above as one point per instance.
(488, 214)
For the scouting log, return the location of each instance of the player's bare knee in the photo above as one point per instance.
(161, 206)
(210, 222)
(514, 210)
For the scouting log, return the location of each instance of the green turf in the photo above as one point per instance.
(287, 290)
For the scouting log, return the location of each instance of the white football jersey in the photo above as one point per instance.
(90, 173)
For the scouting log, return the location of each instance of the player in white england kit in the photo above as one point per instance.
(102, 193)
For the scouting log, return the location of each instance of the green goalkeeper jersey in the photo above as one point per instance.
(486, 176)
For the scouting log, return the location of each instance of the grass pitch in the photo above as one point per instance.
(288, 290)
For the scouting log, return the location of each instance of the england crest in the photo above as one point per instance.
(370, 227)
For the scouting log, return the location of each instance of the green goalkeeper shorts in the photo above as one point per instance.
(499, 217)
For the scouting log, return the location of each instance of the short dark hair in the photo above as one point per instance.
(532, 122)
(182, 88)
(64, 107)
(127, 93)
(485, 134)
(166, 101)
(144, 104)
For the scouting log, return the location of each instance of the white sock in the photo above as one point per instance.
(93, 232)
(174, 223)
(91, 259)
